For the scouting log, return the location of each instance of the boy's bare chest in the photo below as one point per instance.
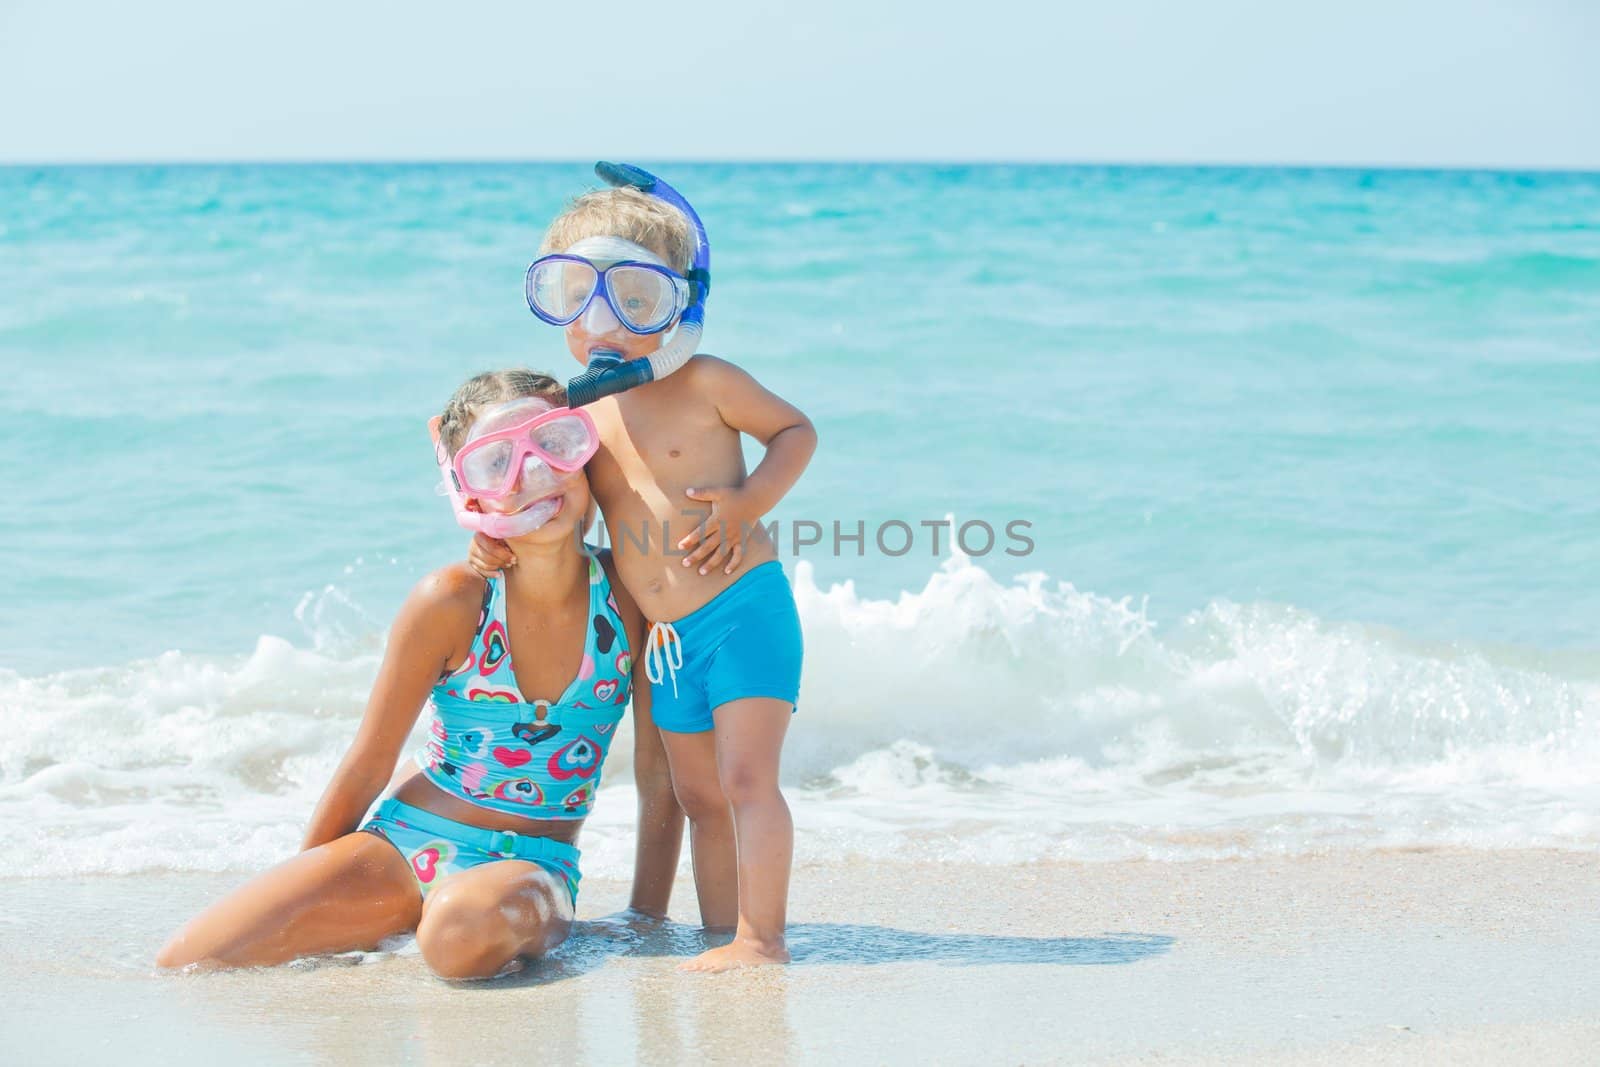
(671, 454)
(660, 445)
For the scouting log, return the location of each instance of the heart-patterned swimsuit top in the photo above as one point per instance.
(489, 745)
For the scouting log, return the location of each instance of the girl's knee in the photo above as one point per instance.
(462, 936)
(474, 926)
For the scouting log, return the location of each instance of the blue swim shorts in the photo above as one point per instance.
(744, 643)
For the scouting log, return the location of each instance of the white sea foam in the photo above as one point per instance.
(971, 720)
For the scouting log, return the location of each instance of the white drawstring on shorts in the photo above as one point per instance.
(663, 655)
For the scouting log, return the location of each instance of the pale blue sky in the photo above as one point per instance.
(1425, 83)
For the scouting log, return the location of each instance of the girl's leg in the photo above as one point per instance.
(693, 760)
(749, 739)
(482, 918)
(348, 894)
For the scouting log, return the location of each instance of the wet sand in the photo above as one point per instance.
(1348, 957)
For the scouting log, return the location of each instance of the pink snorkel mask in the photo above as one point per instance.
(514, 464)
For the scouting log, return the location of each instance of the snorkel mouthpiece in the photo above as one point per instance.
(608, 372)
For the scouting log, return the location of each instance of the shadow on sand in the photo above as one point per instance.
(593, 943)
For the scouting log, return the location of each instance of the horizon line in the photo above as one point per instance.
(909, 161)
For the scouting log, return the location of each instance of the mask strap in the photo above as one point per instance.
(466, 519)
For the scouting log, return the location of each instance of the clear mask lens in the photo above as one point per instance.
(566, 439)
(561, 287)
(644, 299)
(537, 481)
(485, 468)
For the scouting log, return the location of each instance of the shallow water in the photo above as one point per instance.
(1306, 457)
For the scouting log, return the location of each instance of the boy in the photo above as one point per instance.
(683, 519)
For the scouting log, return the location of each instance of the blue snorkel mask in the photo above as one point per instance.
(645, 297)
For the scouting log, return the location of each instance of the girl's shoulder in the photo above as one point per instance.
(452, 590)
(440, 616)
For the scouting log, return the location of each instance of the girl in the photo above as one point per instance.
(526, 675)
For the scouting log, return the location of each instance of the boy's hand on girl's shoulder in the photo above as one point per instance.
(720, 537)
(489, 555)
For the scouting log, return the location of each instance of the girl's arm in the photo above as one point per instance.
(425, 641)
(655, 858)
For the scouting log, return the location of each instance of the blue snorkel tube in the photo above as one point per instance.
(608, 373)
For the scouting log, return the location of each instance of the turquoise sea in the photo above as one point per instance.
(1308, 457)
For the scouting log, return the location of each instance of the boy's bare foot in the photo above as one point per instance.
(737, 953)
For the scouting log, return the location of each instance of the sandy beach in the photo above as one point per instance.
(1396, 957)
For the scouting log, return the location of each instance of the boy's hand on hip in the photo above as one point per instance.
(489, 555)
(719, 540)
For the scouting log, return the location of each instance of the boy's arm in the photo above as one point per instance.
(489, 556)
(790, 439)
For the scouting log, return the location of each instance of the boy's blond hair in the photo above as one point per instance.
(629, 214)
